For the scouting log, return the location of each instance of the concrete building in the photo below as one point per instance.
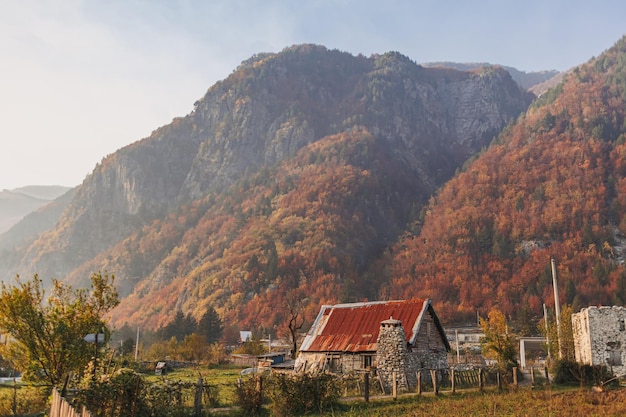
(600, 337)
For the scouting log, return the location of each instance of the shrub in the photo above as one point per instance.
(248, 396)
(113, 395)
(570, 372)
(26, 400)
(301, 394)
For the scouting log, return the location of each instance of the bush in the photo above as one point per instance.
(301, 394)
(570, 372)
(288, 395)
(26, 400)
(126, 392)
(113, 395)
(248, 396)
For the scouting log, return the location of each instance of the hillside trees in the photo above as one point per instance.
(186, 339)
(311, 225)
(48, 332)
(180, 326)
(553, 184)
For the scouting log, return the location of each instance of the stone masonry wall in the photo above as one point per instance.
(600, 337)
(392, 351)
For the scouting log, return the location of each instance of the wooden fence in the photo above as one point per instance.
(61, 408)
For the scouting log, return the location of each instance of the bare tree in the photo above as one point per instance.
(295, 309)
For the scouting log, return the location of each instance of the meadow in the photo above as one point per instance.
(547, 400)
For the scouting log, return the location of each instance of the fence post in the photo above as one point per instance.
(197, 403)
(532, 376)
(419, 382)
(394, 385)
(499, 381)
(452, 378)
(366, 390)
(433, 377)
(14, 405)
(480, 379)
(515, 376)
(259, 387)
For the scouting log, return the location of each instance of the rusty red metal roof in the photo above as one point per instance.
(354, 327)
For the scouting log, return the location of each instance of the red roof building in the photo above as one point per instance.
(346, 335)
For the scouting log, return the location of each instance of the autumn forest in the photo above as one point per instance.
(365, 189)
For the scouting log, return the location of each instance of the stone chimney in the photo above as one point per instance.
(392, 351)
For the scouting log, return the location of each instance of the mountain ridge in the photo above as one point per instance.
(154, 213)
(551, 185)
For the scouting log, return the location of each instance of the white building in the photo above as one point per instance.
(600, 337)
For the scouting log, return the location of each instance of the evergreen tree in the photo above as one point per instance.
(181, 326)
(210, 326)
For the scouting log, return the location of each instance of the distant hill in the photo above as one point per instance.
(289, 179)
(528, 80)
(44, 192)
(17, 203)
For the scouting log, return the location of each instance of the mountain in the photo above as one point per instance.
(286, 181)
(528, 80)
(17, 203)
(553, 184)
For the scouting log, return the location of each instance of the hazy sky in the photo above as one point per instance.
(80, 79)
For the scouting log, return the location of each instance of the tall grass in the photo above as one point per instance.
(522, 402)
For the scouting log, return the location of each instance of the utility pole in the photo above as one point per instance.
(545, 320)
(137, 344)
(557, 307)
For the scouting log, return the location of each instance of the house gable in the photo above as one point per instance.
(355, 327)
(403, 334)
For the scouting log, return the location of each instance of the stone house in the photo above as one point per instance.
(600, 337)
(402, 336)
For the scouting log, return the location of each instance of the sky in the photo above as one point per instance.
(80, 79)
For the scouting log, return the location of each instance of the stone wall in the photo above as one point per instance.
(600, 337)
(391, 355)
(395, 355)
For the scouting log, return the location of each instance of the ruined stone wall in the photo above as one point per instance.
(600, 337)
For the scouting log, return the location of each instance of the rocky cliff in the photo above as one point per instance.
(274, 105)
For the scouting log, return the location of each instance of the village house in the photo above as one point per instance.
(600, 337)
(389, 336)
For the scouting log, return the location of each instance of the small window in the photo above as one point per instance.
(367, 361)
(622, 325)
(333, 363)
